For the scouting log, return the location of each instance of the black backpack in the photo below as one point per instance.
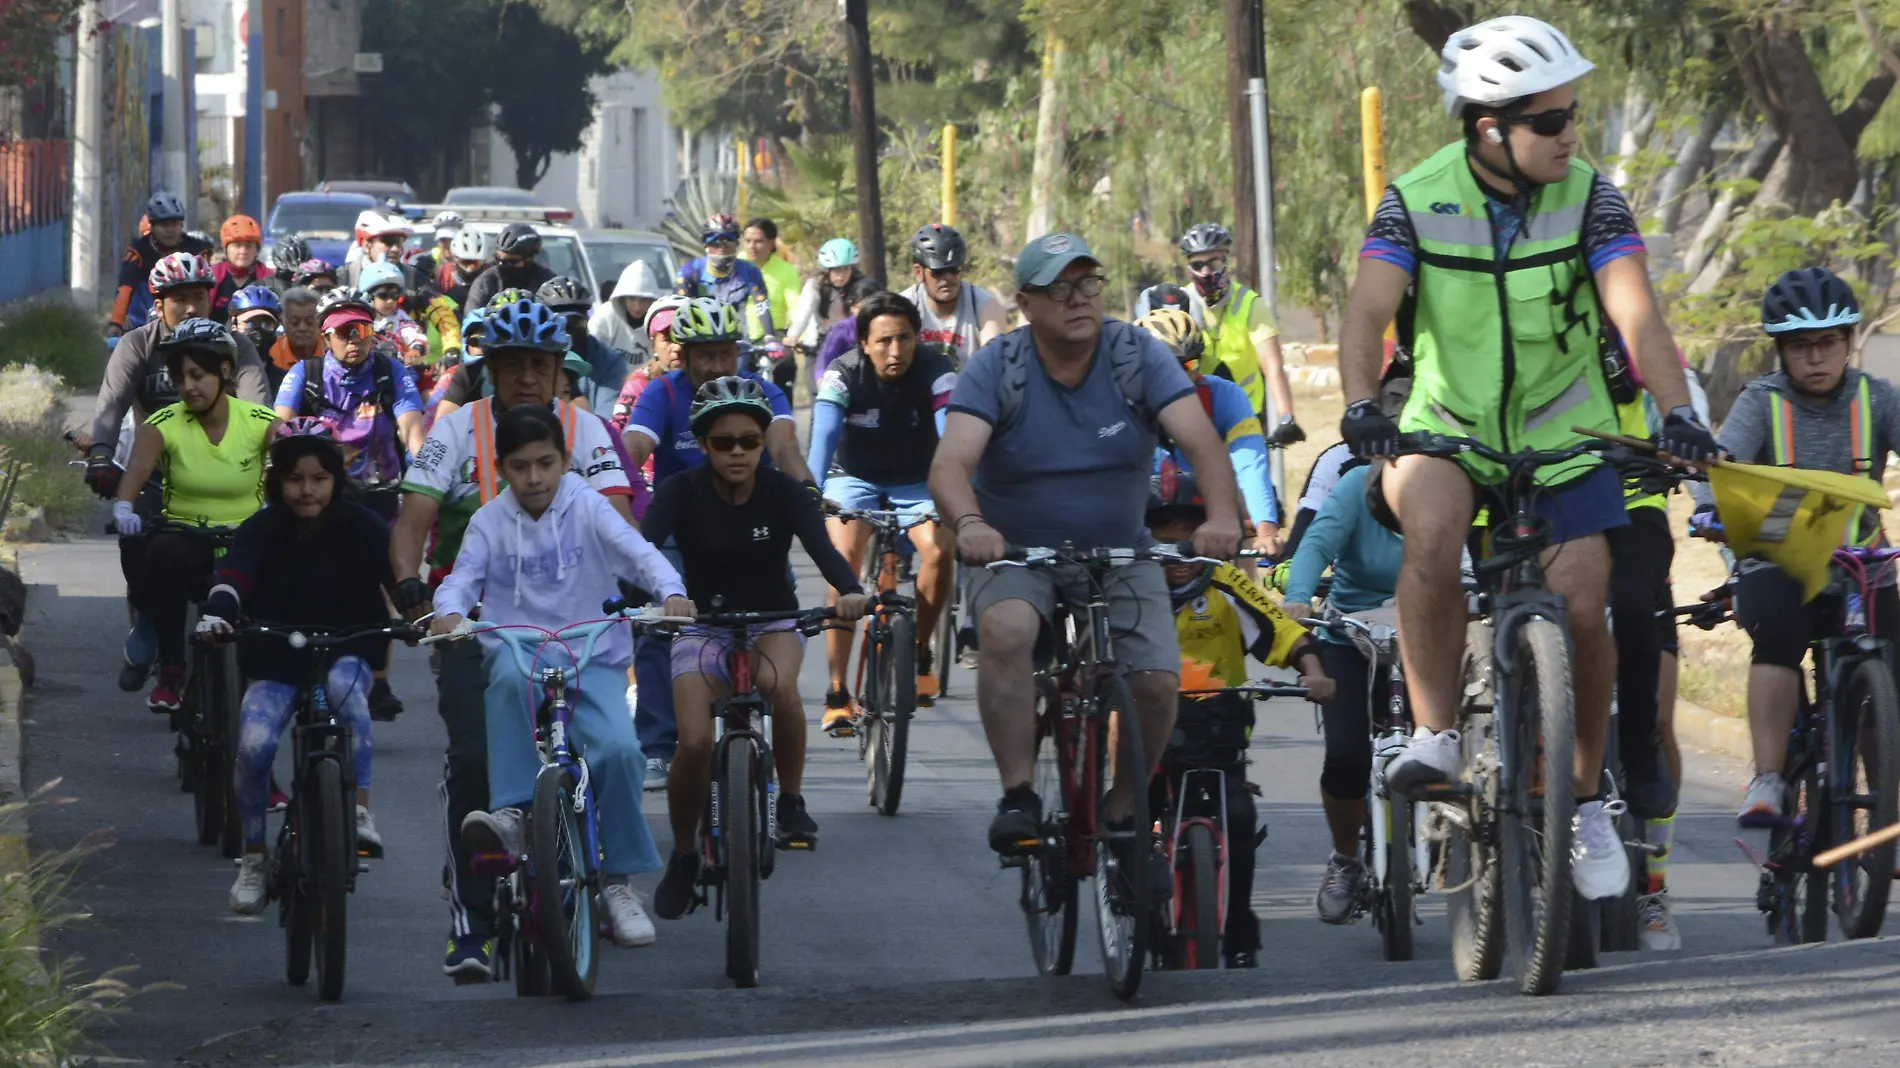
(314, 402)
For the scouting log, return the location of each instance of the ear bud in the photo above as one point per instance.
(1492, 135)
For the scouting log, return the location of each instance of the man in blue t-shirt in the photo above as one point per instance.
(1050, 439)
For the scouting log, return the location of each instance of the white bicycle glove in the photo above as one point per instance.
(125, 520)
(210, 625)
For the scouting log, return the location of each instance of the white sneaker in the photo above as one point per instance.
(657, 770)
(1658, 920)
(1762, 806)
(493, 832)
(1599, 865)
(628, 919)
(368, 842)
(247, 893)
(1432, 757)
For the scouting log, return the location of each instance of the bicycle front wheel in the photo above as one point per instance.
(944, 640)
(1123, 899)
(1200, 900)
(1538, 735)
(740, 815)
(1474, 881)
(1049, 892)
(1866, 794)
(564, 884)
(889, 720)
(336, 864)
(1395, 908)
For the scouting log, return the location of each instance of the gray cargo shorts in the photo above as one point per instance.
(1140, 617)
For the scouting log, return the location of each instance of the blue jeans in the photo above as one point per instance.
(653, 674)
(266, 711)
(603, 735)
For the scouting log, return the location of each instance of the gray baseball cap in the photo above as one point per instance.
(1043, 260)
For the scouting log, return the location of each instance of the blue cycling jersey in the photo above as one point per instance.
(742, 286)
(1239, 427)
(663, 413)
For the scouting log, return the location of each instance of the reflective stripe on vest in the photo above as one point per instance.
(1860, 421)
(1230, 344)
(487, 474)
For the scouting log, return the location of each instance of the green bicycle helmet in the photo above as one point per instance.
(723, 396)
(705, 320)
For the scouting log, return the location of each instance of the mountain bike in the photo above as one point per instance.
(206, 722)
(887, 658)
(1190, 794)
(737, 839)
(1397, 858)
(1504, 827)
(315, 862)
(546, 923)
(1085, 706)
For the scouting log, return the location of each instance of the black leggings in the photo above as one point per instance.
(1347, 771)
(1768, 606)
(1640, 555)
(177, 571)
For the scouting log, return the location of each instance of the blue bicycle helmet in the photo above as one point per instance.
(376, 275)
(526, 324)
(475, 324)
(255, 298)
(1813, 298)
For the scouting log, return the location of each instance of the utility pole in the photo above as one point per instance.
(87, 229)
(1047, 160)
(254, 109)
(172, 63)
(1245, 45)
(857, 31)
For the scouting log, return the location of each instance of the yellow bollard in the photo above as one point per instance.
(949, 174)
(1372, 145)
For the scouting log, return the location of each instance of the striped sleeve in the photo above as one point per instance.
(1390, 236)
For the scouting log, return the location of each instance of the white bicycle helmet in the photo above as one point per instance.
(447, 224)
(471, 244)
(1506, 59)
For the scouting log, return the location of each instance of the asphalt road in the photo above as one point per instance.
(897, 942)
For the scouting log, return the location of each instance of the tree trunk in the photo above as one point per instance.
(1691, 161)
(1244, 43)
(1733, 365)
(1754, 166)
(864, 135)
(1434, 22)
(1639, 121)
(1047, 159)
(1821, 167)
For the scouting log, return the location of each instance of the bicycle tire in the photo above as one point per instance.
(293, 905)
(207, 796)
(1124, 902)
(897, 705)
(1534, 840)
(1200, 898)
(1474, 910)
(1870, 730)
(336, 863)
(1395, 915)
(1800, 907)
(944, 640)
(1048, 886)
(564, 884)
(742, 864)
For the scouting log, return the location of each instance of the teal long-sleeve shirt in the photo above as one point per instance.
(1364, 555)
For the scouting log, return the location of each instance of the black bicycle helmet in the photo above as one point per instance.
(1205, 237)
(286, 255)
(1812, 298)
(564, 294)
(205, 334)
(938, 247)
(518, 239)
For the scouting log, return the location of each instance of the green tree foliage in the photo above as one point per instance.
(544, 103)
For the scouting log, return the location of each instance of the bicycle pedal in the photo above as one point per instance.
(492, 865)
(799, 843)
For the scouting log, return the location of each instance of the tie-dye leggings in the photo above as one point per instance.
(267, 710)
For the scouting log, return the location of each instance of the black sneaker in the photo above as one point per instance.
(1647, 788)
(796, 828)
(471, 959)
(1017, 828)
(132, 676)
(673, 898)
(383, 705)
(1242, 958)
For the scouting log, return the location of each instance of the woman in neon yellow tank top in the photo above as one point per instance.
(211, 448)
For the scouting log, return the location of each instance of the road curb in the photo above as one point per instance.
(1704, 729)
(14, 853)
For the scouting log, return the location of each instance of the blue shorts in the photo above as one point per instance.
(912, 499)
(1590, 505)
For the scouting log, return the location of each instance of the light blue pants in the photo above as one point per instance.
(603, 733)
(266, 712)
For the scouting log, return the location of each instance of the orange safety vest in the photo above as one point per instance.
(487, 470)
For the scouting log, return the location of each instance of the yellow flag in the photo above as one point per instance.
(1792, 518)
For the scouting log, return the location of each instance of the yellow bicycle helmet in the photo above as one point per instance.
(703, 320)
(1177, 330)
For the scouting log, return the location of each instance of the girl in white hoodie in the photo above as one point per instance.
(546, 551)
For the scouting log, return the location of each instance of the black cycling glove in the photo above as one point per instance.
(1368, 431)
(1287, 433)
(1685, 438)
(102, 475)
(411, 594)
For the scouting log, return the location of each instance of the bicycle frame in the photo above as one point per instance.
(893, 571)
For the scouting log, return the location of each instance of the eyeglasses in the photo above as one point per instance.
(1544, 123)
(1816, 348)
(386, 293)
(353, 331)
(945, 272)
(1089, 285)
(1214, 265)
(731, 442)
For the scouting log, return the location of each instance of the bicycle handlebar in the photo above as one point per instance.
(880, 516)
(1253, 691)
(1024, 556)
(320, 637)
(508, 634)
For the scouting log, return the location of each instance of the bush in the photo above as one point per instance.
(30, 418)
(58, 337)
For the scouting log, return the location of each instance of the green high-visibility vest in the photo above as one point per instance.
(1506, 351)
(1230, 345)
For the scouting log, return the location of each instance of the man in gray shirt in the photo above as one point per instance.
(1050, 439)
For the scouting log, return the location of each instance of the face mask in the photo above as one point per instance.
(262, 337)
(720, 265)
(514, 277)
(1212, 286)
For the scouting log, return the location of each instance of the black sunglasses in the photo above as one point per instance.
(1544, 123)
(944, 272)
(386, 293)
(719, 443)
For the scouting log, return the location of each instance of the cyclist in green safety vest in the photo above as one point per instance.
(1507, 260)
(1819, 414)
(1242, 342)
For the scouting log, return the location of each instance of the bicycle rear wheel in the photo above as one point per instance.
(1049, 891)
(210, 773)
(294, 912)
(1123, 899)
(889, 722)
(1539, 733)
(336, 863)
(1200, 900)
(230, 699)
(944, 640)
(740, 816)
(1866, 794)
(564, 884)
(1474, 901)
(1395, 909)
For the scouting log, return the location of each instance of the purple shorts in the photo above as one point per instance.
(704, 651)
